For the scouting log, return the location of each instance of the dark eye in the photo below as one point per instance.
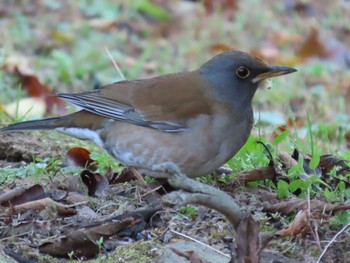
(242, 72)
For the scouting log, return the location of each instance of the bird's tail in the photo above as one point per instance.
(45, 124)
(81, 119)
(82, 125)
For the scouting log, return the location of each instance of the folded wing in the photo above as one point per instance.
(165, 103)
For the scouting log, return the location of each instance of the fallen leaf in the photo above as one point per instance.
(102, 23)
(220, 47)
(41, 204)
(82, 240)
(296, 121)
(257, 174)
(313, 46)
(287, 160)
(31, 226)
(80, 157)
(297, 226)
(307, 158)
(126, 175)
(324, 47)
(295, 204)
(247, 247)
(278, 131)
(96, 183)
(191, 256)
(35, 88)
(328, 162)
(212, 6)
(30, 81)
(22, 195)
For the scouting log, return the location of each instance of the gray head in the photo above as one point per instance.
(236, 75)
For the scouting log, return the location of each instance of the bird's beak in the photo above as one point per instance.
(273, 71)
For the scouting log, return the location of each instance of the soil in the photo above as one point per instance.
(21, 240)
(19, 148)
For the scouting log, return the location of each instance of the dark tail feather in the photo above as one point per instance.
(45, 124)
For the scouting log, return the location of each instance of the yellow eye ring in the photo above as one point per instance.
(242, 72)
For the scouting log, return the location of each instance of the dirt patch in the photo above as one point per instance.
(21, 147)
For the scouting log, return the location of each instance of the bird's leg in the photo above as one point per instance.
(198, 193)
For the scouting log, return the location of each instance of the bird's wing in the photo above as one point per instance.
(165, 103)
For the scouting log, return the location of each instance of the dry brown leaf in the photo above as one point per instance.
(299, 225)
(278, 131)
(289, 207)
(347, 137)
(191, 256)
(296, 121)
(313, 46)
(96, 183)
(41, 204)
(247, 247)
(270, 50)
(102, 23)
(258, 174)
(30, 81)
(22, 195)
(26, 226)
(287, 159)
(35, 88)
(307, 158)
(220, 47)
(74, 185)
(126, 175)
(74, 198)
(325, 48)
(82, 240)
(226, 5)
(328, 162)
(80, 157)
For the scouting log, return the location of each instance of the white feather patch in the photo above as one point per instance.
(265, 84)
(83, 134)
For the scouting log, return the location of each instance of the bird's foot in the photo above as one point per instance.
(195, 192)
(167, 168)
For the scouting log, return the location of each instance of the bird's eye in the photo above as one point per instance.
(242, 72)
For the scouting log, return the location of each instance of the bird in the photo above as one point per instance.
(196, 120)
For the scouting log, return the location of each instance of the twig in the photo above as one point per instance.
(152, 191)
(104, 206)
(201, 243)
(330, 242)
(115, 64)
(313, 227)
(161, 234)
(13, 236)
(79, 203)
(138, 175)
